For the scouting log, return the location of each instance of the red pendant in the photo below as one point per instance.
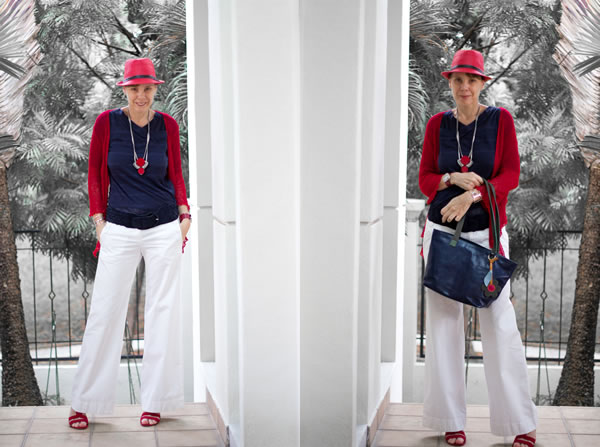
(465, 160)
(140, 162)
(141, 171)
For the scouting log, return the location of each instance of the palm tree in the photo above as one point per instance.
(578, 54)
(18, 55)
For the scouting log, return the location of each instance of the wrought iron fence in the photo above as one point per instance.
(56, 307)
(543, 299)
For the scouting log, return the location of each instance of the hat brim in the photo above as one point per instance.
(446, 74)
(139, 81)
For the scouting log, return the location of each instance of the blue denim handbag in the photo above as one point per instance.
(465, 271)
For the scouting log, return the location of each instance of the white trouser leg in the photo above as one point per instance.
(95, 382)
(445, 407)
(162, 371)
(511, 409)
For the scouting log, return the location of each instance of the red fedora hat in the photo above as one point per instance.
(139, 71)
(467, 61)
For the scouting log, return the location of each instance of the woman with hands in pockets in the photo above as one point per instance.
(139, 206)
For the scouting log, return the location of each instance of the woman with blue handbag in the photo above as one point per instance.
(462, 148)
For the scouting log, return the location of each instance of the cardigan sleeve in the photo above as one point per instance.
(96, 193)
(507, 164)
(174, 150)
(429, 173)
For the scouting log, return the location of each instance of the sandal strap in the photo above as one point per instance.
(149, 415)
(524, 439)
(456, 434)
(75, 419)
(79, 416)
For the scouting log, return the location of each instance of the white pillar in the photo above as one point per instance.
(223, 375)
(395, 187)
(332, 77)
(199, 305)
(267, 146)
(254, 58)
(372, 116)
(411, 293)
(297, 113)
(395, 172)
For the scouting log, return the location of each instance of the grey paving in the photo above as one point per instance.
(191, 426)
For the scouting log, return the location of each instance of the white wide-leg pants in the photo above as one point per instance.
(512, 411)
(94, 388)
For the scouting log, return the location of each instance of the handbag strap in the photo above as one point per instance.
(494, 214)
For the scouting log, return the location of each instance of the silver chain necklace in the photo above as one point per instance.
(140, 163)
(466, 161)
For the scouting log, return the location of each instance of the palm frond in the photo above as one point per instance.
(579, 36)
(169, 24)
(590, 148)
(176, 102)
(417, 99)
(11, 68)
(19, 53)
(428, 21)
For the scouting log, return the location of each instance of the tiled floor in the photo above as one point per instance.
(193, 426)
(558, 427)
(48, 427)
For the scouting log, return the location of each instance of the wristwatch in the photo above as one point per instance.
(446, 179)
(476, 195)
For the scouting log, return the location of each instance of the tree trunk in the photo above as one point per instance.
(19, 385)
(576, 385)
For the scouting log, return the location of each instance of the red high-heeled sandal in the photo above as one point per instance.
(78, 417)
(147, 415)
(524, 439)
(456, 435)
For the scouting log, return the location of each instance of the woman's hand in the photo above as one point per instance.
(466, 180)
(184, 226)
(99, 227)
(457, 207)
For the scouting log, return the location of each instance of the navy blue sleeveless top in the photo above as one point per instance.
(484, 152)
(131, 192)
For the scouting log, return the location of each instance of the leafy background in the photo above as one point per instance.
(84, 46)
(517, 39)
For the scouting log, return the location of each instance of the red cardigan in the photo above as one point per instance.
(505, 174)
(98, 180)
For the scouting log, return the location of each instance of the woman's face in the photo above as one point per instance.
(140, 97)
(466, 88)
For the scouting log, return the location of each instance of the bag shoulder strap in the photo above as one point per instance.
(494, 214)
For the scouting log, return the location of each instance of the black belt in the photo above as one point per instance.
(142, 221)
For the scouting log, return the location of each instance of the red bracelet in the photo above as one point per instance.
(185, 216)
